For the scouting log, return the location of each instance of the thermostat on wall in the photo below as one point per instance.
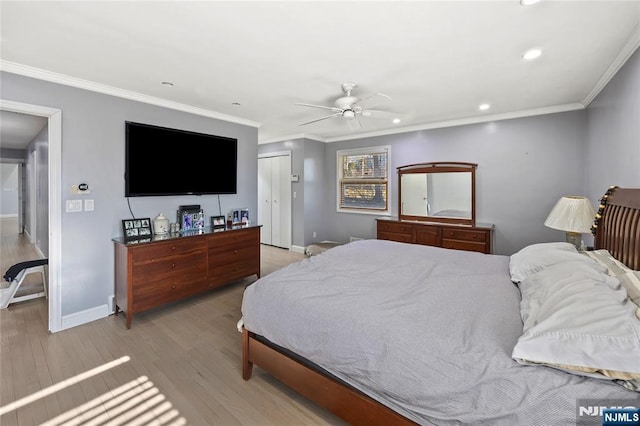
(81, 188)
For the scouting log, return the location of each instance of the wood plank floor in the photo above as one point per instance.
(177, 365)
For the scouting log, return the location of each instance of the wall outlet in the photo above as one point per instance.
(314, 234)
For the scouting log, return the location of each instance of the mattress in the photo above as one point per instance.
(427, 331)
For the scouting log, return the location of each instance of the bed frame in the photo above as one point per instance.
(617, 230)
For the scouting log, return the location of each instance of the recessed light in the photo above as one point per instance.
(528, 2)
(532, 54)
(484, 107)
(396, 120)
(167, 83)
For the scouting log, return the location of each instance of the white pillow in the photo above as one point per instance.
(579, 319)
(629, 278)
(536, 257)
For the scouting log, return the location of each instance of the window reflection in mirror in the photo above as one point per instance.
(442, 192)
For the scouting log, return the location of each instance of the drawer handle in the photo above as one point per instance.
(174, 286)
(173, 266)
(235, 252)
(475, 236)
(403, 228)
(173, 247)
(451, 234)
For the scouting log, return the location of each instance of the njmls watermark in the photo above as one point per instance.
(608, 412)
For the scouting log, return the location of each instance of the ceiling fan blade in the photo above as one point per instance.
(337, 114)
(321, 107)
(354, 123)
(372, 100)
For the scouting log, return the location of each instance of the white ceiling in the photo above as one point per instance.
(437, 60)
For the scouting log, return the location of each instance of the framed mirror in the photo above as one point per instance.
(438, 192)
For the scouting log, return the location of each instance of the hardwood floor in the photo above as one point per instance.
(177, 365)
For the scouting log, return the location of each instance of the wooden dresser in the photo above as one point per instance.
(461, 237)
(152, 273)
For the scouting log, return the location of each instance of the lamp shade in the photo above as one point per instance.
(571, 214)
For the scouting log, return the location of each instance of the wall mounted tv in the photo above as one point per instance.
(161, 161)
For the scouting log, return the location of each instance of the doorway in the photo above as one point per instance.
(274, 199)
(54, 117)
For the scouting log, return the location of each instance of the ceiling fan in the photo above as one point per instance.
(351, 107)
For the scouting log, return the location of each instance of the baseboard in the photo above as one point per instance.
(83, 317)
(297, 249)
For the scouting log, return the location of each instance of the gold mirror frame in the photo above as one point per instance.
(439, 167)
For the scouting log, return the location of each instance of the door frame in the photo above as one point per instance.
(54, 116)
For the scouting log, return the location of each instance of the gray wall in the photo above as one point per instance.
(9, 176)
(613, 133)
(39, 145)
(524, 166)
(307, 208)
(93, 152)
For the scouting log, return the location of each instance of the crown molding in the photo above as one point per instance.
(629, 48)
(40, 74)
(292, 137)
(464, 121)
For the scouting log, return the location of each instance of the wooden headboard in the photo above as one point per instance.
(617, 225)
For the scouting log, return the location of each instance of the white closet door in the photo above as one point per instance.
(274, 200)
(264, 199)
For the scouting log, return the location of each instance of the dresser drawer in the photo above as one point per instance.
(464, 245)
(182, 268)
(220, 255)
(401, 238)
(223, 274)
(169, 248)
(464, 234)
(394, 227)
(158, 293)
(237, 238)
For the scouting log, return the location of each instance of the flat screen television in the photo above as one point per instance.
(161, 161)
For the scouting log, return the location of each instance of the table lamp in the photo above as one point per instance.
(574, 215)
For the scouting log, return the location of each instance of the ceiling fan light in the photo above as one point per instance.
(349, 114)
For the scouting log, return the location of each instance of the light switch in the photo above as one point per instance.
(74, 206)
(88, 205)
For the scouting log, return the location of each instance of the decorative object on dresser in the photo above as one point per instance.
(152, 274)
(437, 207)
(218, 222)
(160, 224)
(136, 229)
(574, 215)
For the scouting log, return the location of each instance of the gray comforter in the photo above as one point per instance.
(428, 332)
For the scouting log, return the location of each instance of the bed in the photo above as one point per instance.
(380, 332)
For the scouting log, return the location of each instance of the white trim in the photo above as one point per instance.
(465, 121)
(83, 317)
(55, 205)
(366, 150)
(274, 154)
(292, 137)
(297, 249)
(437, 125)
(629, 48)
(40, 74)
(8, 216)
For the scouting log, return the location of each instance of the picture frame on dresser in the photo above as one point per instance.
(218, 222)
(133, 229)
